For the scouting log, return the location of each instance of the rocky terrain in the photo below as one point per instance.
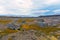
(30, 28)
(29, 35)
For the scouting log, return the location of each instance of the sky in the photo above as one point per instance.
(29, 7)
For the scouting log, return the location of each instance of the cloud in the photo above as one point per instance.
(25, 7)
(16, 7)
(56, 11)
(51, 2)
(39, 12)
(45, 3)
(2, 10)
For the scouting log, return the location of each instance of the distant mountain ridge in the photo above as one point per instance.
(32, 16)
(50, 16)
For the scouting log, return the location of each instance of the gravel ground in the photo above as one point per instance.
(26, 35)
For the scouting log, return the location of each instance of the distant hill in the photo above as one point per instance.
(51, 16)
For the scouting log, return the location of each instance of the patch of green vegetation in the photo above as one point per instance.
(6, 32)
(49, 29)
(9, 38)
(2, 34)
